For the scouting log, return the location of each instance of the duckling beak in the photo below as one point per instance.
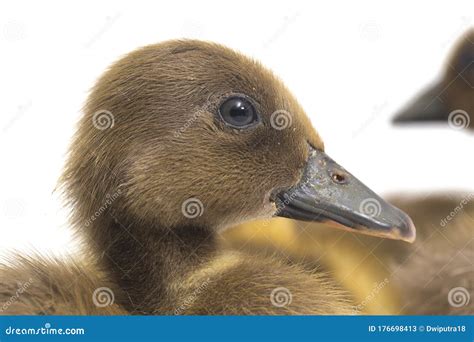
(328, 193)
(426, 107)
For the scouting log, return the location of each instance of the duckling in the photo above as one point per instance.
(450, 99)
(180, 141)
(444, 252)
(446, 287)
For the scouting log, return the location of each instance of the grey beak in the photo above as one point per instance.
(328, 193)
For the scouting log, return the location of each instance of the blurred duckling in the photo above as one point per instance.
(451, 98)
(436, 276)
(182, 140)
(444, 250)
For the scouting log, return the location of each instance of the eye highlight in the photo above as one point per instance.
(238, 112)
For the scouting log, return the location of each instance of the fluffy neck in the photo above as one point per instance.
(144, 259)
(147, 261)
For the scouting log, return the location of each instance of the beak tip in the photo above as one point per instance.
(409, 238)
(408, 231)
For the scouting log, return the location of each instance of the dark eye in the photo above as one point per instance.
(238, 112)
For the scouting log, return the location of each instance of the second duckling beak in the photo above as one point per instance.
(327, 192)
(426, 107)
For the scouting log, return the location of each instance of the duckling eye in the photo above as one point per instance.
(238, 112)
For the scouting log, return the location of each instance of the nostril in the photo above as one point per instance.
(338, 177)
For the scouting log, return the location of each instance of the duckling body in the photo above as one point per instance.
(200, 138)
(385, 277)
(232, 283)
(51, 286)
(354, 262)
(444, 252)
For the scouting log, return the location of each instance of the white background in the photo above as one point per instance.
(351, 64)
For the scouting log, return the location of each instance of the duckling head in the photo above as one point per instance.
(189, 133)
(451, 98)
